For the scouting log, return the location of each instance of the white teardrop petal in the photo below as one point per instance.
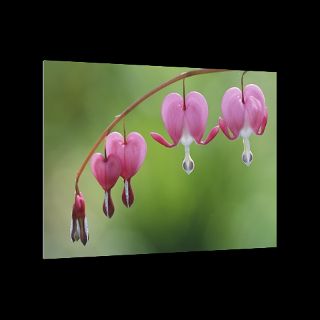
(106, 202)
(126, 190)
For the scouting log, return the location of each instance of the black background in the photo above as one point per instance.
(239, 51)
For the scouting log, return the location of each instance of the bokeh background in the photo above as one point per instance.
(222, 205)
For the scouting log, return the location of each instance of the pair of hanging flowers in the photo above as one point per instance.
(244, 112)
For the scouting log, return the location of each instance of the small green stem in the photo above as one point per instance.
(124, 132)
(242, 85)
(184, 94)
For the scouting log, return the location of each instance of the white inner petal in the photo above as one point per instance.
(246, 144)
(246, 132)
(186, 138)
(126, 190)
(247, 155)
(188, 164)
(71, 228)
(86, 228)
(106, 202)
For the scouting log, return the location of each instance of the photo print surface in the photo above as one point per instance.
(189, 166)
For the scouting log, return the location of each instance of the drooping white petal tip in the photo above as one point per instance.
(126, 189)
(188, 164)
(247, 155)
(247, 158)
(106, 202)
(86, 228)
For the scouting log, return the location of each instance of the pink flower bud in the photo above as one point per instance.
(79, 225)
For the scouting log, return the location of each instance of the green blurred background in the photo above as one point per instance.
(222, 205)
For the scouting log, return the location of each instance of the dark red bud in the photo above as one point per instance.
(108, 207)
(127, 194)
(84, 234)
(79, 207)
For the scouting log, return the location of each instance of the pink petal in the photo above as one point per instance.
(211, 135)
(196, 114)
(114, 145)
(79, 206)
(233, 110)
(159, 138)
(264, 122)
(98, 168)
(132, 154)
(255, 91)
(106, 171)
(173, 115)
(135, 153)
(224, 128)
(255, 113)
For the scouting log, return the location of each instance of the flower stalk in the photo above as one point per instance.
(131, 107)
(242, 85)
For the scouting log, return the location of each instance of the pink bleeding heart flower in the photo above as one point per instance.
(131, 151)
(244, 115)
(185, 123)
(79, 225)
(107, 172)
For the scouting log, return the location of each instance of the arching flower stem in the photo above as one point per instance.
(132, 106)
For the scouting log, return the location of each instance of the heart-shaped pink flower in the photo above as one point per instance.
(243, 115)
(185, 123)
(107, 172)
(131, 151)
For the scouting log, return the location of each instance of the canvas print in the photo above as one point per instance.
(154, 159)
